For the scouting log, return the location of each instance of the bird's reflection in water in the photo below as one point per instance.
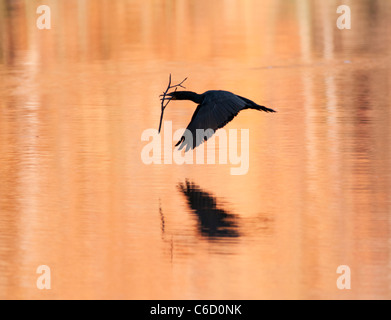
(214, 222)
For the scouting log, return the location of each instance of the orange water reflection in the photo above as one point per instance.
(75, 195)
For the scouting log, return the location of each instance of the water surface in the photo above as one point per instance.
(76, 196)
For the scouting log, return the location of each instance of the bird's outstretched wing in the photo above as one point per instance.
(217, 109)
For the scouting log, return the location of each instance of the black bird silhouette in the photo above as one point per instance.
(215, 109)
(214, 222)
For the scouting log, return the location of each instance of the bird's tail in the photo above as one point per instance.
(262, 108)
(253, 105)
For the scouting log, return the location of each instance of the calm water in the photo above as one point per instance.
(76, 196)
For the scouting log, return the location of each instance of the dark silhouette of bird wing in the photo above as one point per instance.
(214, 222)
(217, 109)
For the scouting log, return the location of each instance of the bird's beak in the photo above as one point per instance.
(172, 97)
(169, 95)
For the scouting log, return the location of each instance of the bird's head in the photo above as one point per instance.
(178, 95)
(184, 95)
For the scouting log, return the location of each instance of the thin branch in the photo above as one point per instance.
(164, 99)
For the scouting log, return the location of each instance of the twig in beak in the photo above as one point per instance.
(163, 106)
